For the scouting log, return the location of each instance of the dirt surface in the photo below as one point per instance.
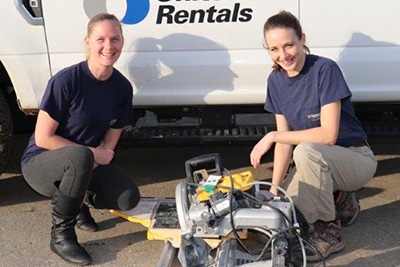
(373, 240)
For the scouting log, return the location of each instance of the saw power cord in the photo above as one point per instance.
(260, 202)
(255, 200)
(296, 224)
(232, 189)
(314, 248)
(231, 214)
(270, 241)
(280, 189)
(262, 230)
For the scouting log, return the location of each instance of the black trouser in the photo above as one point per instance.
(72, 167)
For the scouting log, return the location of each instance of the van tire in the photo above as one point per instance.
(6, 133)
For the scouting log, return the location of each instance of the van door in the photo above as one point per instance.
(363, 37)
(193, 52)
(23, 49)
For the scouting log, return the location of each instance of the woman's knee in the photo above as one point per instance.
(306, 151)
(80, 156)
(129, 199)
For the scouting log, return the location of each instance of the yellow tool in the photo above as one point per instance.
(159, 217)
(224, 185)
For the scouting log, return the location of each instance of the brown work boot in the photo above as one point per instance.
(326, 238)
(347, 207)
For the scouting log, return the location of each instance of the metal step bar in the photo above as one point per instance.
(196, 134)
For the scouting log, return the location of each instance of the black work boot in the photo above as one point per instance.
(63, 237)
(85, 221)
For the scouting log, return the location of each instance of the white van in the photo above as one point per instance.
(195, 58)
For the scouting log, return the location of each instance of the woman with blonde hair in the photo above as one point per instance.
(69, 156)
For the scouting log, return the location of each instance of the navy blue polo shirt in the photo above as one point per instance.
(301, 97)
(84, 107)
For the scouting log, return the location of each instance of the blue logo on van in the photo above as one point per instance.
(136, 10)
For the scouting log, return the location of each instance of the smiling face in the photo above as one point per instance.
(286, 49)
(104, 45)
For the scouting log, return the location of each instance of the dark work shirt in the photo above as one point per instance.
(301, 97)
(84, 107)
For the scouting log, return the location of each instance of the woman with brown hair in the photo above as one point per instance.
(313, 111)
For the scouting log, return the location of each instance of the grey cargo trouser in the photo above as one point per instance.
(320, 170)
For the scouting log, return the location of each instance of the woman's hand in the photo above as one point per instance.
(102, 155)
(261, 148)
(274, 190)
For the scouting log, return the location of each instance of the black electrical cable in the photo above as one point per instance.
(270, 240)
(314, 248)
(193, 184)
(283, 215)
(232, 189)
(260, 202)
(256, 201)
(286, 220)
(231, 215)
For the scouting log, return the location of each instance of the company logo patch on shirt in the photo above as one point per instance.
(113, 121)
(314, 117)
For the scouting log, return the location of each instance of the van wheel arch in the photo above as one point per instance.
(6, 133)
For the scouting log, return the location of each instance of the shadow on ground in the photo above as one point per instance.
(106, 250)
(374, 234)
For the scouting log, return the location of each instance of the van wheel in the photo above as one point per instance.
(6, 133)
